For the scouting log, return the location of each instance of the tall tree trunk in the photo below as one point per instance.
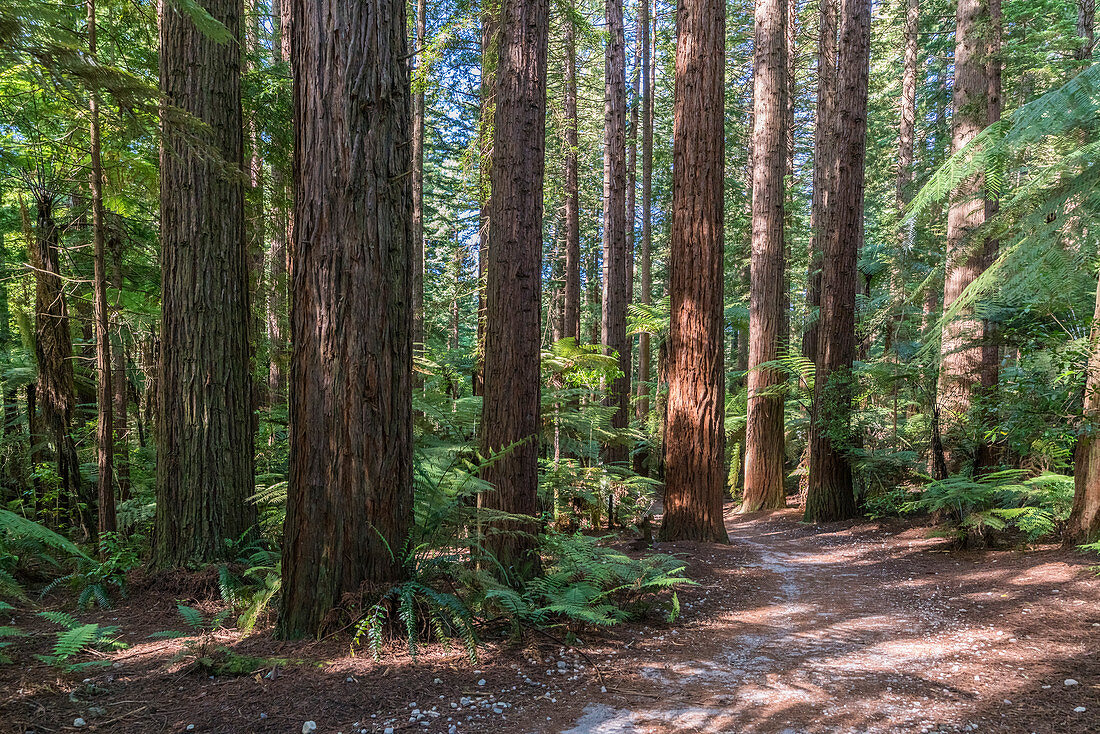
(277, 327)
(830, 494)
(695, 434)
(572, 308)
(615, 270)
(119, 381)
(55, 392)
(256, 231)
(350, 492)
(985, 456)
(1084, 520)
(105, 423)
(490, 59)
(962, 338)
(906, 146)
(825, 152)
(419, 40)
(510, 420)
(764, 452)
(645, 271)
(1086, 18)
(205, 400)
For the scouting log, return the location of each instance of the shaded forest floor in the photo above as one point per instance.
(856, 627)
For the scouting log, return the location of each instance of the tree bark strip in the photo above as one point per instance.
(695, 433)
(350, 491)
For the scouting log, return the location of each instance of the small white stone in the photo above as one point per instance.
(79, 722)
(481, 682)
(1070, 682)
(190, 727)
(309, 727)
(1080, 710)
(389, 730)
(437, 681)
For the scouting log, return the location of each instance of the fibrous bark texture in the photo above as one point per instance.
(645, 271)
(350, 492)
(616, 280)
(204, 428)
(830, 494)
(764, 453)
(824, 167)
(572, 307)
(962, 337)
(510, 421)
(695, 415)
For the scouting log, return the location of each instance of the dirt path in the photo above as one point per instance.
(863, 630)
(852, 629)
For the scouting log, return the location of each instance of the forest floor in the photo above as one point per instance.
(857, 627)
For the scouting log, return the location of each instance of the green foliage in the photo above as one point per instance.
(75, 638)
(418, 612)
(93, 578)
(588, 584)
(1000, 500)
(24, 542)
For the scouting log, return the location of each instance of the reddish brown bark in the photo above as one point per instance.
(350, 493)
(615, 259)
(105, 423)
(419, 39)
(510, 421)
(830, 495)
(204, 427)
(572, 311)
(764, 450)
(824, 168)
(961, 350)
(645, 275)
(695, 431)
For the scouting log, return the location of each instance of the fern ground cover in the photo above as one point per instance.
(880, 626)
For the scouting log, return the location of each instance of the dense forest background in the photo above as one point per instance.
(371, 329)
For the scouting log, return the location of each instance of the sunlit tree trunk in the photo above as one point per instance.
(204, 426)
(510, 419)
(830, 494)
(350, 491)
(1084, 520)
(645, 273)
(419, 40)
(490, 55)
(615, 268)
(961, 340)
(824, 167)
(695, 433)
(1086, 18)
(764, 454)
(572, 308)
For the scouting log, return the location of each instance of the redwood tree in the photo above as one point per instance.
(695, 414)
(1084, 520)
(764, 452)
(830, 494)
(350, 491)
(645, 274)
(510, 418)
(204, 428)
(572, 308)
(616, 280)
(961, 350)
